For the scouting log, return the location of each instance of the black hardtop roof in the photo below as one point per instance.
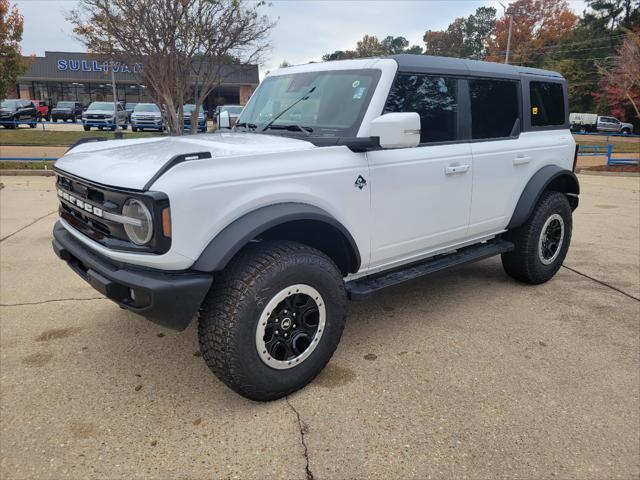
(461, 66)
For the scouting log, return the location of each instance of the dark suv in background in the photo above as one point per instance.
(14, 112)
(67, 111)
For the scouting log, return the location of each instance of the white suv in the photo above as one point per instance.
(339, 179)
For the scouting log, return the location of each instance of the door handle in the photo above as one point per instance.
(454, 169)
(522, 160)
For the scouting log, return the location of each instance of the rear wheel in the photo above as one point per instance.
(134, 129)
(541, 244)
(273, 319)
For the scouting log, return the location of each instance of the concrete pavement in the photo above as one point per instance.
(466, 375)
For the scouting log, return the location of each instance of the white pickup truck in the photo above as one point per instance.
(591, 122)
(339, 179)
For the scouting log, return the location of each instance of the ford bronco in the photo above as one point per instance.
(338, 179)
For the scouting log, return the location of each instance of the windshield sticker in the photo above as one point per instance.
(355, 83)
(359, 93)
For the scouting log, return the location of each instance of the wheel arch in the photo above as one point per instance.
(299, 222)
(549, 177)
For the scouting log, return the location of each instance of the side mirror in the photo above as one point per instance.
(225, 121)
(397, 130)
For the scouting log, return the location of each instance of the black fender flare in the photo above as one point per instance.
(238, 233)
(548, 177)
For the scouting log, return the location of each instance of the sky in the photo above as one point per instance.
(305, 29)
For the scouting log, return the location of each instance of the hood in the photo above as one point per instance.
(132, 163)
(146, 114)
(98, 112)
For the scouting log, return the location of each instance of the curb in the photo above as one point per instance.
(28, 173)
(609, 174)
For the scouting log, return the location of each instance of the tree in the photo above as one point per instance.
(371, 46)
(537, 26)
(613, 14)
(620, 85)
(465, 37)
(11, 62)
(180, 43)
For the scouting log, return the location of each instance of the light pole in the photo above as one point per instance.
(118, 132)
(506, 57)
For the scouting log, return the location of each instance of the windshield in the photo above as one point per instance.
(131, 106)
(335, 107)
(146, 107)
(233, 110)
(64, 105)
(101, 106)
(9, 104)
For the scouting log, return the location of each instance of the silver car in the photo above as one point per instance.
(147, 116)
(101, 115)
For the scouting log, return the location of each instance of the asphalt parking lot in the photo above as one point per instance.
(463, 375)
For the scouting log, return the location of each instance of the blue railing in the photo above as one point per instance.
(605, 151)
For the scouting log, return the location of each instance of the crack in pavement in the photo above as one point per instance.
(27, 226)
(303, 430)
(605, 284)
(51, 301)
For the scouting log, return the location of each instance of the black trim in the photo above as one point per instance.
(80, 141)
(363, 287)
(168, 299)
(538, 184)
(184, 157)
(246, 228)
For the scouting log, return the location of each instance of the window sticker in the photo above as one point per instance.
(534, 110)
(359, 93)
(355, 84)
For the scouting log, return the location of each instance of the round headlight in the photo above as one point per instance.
(136, 210)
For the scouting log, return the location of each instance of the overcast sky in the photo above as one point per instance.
(306, 29)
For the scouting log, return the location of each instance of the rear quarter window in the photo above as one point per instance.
(547, 104)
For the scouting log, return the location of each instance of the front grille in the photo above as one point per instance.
(84, 205)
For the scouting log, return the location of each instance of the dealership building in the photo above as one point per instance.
(86, 78)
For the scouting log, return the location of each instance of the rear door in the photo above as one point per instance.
(499, 159)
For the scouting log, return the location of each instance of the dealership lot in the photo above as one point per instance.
(467, 374)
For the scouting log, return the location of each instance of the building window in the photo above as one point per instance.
(434, 98)
(494, 108)
(547, 104)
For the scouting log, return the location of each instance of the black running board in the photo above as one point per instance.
(363, 287)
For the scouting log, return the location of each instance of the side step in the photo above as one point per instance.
(365, 286)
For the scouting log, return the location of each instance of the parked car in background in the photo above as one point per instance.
(591, 122)
(66, 111)
(130, 107)
(17, 111)
(44, 109)
(202, 120)
(147, 116)
(234, 112)
(101, 116)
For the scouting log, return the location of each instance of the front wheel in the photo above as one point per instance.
(626, 131)
(541, 244)
(272, 319)
(86, 128)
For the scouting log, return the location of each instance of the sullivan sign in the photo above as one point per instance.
(76, 65)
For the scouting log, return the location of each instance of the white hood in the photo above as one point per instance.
(132, 163)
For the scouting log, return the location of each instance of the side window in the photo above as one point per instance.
(434, 98)
(547, 104)
(494, 108)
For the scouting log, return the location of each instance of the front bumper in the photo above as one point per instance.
(168, 299)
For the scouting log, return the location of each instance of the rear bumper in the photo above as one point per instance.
(168, 299)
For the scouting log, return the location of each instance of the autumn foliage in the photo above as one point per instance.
(11, 62)
(537, 25)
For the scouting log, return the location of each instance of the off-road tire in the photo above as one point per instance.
(231, 311)
(524, 263)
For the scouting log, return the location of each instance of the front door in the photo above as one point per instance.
(420, 197)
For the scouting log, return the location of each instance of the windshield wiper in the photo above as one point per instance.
(245, 125)
(293, 126)
(305, 97)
